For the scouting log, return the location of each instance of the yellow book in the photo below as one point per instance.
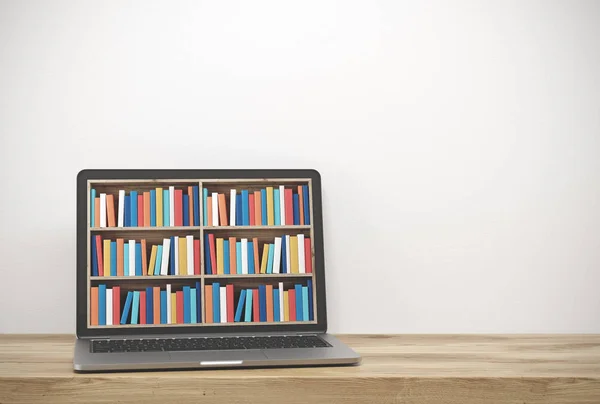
(294, 254)
(270, 209)
(107, 258)
(286, 307)
(182, 256)
(152, 260)
(265, 257)
(220, 264)
(173, 308)
(159, 206)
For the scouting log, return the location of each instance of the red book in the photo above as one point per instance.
(232, 256)
(289, 207)
(142, 307)
(257, 208)
(116, 305)
(213, 255)
(292, 304)
(307, 255)
(196, 257)
(140, 210)
(251, 210)
(144, 258)
(178, 207)
(256, 257)
(99, 255)
(110, 210)
(146, 209)
(179, 297)
(255, 312)
(230, 304)
(208, 304)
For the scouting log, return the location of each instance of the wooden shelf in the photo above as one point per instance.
(241, 323)
(142, 228)
(257, 276)
(250, 228)
(144, 278)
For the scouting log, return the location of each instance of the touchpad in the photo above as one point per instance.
(231, 357)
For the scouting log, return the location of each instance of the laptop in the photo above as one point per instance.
(201, 269)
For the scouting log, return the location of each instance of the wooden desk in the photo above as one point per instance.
(396, 369)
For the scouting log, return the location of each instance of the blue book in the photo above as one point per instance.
(127, 212)
(306, 205)
(127, 307)
(196, 205)
(250, 257)
(171, 270)
(149, 306)
(135, 307)
(186, 304)
(205, 209)
(299, 315)
(153, 207)
(276, 208)
(248, 313)
(305, 303)
(271, 258)
(311, 315)
(101, 304)
(94, 258)
(186, 210)
(198, 302)
(226, 257)
(158, 262)
(166, 208)
(163, 307)
(276, 304)
(113, 258)
(126, 259)
(193, 318)
(296, 209)
(138, 259)
(263, 206)
(207, 255)
(262, 306)
(93, 207)
(245, 208)
(238, 257)
(240, 306)
(133, 213)
(284, 269)
(239, 216)
(216, 303)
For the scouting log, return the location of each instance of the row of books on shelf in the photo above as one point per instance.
(271, 206)
(157, 207)
(153, 305)
(287, 254)
(169, 207)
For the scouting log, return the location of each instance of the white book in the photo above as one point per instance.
(171, 206)
(301, 264)
(121, 220)
(176, 251)
(232, 208)
(169, 320)
(223, 298)
(102, 210)
(190, 255)
(131, 257)
(215, 209)
(287, 257)
(164, 265)
(277, 255)
(109, 308)
(280, 301)
(244, 256)
(282, 205)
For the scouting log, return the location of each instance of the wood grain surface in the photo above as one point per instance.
(465, 369)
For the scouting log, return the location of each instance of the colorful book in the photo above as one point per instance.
(251, 257)
(286, 306)
(308, 255)
(263, 207)
(198, 289)
(113, 258)
(196, 257)
(265, 258)
(222, 209)
(220, 257)
(311, 315)
(120, 257)
(292, 304)
(223, 303)
(102, 210)
(163, 307)
(255, 255)
(276, 305)
(149, 306)
(305, 303)
(301, 265)
(208, 263)
(144, 257)
(143, 307)
(109, 309)
(269, 303)
(116, 306)
(299, 315)
(127, 212)
(208, 304)
(172, 206)
(138, 259)
(213, 255)
(178, 208)
(153, 210)
(251, 209)
(277, 256)
(126, 259)
(94, 257)
(301, 204)
(281, 306)
(140, 205)
(226, 256)
(167, 212)
(276, 207)
(170, 318)
(186, 209)
(146, 197)
(257, 208)
(240, 306)
(159, 260)
(152, 263)
(164, 265)
(215, 209)
(110, 210)
(174, 256)
(156, 300)
(238, 257)
(94, 305)
(196, 205)
(248, 312)
(187, 312)
(239, 221)
(306, 204)
(216, 295)
(270, 258)
(289, 207)
(127, 307)
(245, 208)
(294, 254)
(282, 206)
(174, 311)
(270, 207)
(288, 255)
(193, 306)
(230, 305)
(107, 258)
(135, 307)
(244, 256)
(160, 210)
(93, 222)
(182, 256)
(284, 268)
(133, 211)
(232, 256)
(262, 302)
(255, 306)
(121, 209)
(296, 203)
(232, 208)
(205, 204)
(189, 248)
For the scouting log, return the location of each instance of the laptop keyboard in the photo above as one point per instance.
(207, 343)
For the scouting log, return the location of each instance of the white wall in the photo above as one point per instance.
(459, 144)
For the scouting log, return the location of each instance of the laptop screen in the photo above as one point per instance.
(199, 252)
